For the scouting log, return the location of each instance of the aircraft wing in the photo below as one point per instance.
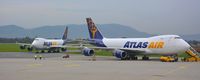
(64, 46)
(123, 49)
(24, 44)
(133, 50)
(105, 48)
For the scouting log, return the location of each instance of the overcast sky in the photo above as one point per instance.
(151, 16)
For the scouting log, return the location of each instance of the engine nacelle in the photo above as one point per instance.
(63, 49)
(88, 52)
(120, 54)
(30, 48)
(22, 46)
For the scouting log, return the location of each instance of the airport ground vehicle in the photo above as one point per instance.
(169, 58)
(66, 56)
(193, 55)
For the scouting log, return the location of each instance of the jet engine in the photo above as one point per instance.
(30, 48)
(64, 49)
(120, 54)
(22, 46)
(87, 51)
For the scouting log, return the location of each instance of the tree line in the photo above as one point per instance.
(29, 40)
(16, 40)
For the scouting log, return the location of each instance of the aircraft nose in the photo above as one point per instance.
(185, 45)
(33, 44)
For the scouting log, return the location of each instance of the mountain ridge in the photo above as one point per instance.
(77, 31)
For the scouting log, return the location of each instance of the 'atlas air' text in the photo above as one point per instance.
(50, 43)
(157, 44)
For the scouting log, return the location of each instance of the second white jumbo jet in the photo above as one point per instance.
(42, 44)
(129, 48)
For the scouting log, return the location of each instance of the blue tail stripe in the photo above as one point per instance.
(97, 42)
(65, 34)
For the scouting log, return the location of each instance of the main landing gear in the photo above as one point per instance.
(145, 57)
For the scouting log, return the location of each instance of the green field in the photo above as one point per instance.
(9, 47)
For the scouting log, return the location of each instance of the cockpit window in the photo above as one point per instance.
(177, 37)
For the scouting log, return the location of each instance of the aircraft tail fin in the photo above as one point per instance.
(93, 30)
(65, 34)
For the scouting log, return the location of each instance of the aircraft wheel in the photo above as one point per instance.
(42, 51)
(145, 58)
(49, 51)
(134, 58)
(22, 47)
(123, 58)
(176, 59)
(128, 58)
(63, 49)
(30, 48)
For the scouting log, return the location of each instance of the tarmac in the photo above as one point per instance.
(23, 66)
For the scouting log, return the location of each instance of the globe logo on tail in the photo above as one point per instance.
(92, 28)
